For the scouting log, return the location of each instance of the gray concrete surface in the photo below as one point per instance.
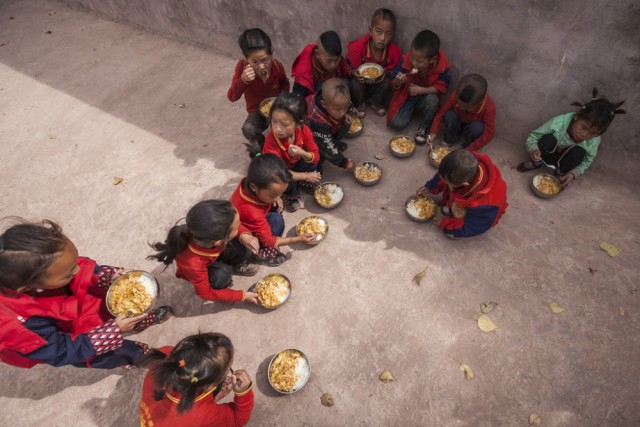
(537, 56)
(94, 100)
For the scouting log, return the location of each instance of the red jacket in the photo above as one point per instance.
(258, 90)
(437, 77)
(78, 310)
(205, 411)
(303, 68)
(192, 265)
(485, 112)
(253, 216)
(358, 53)
(303, 139)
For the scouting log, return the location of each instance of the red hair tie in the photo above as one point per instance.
(181, 363)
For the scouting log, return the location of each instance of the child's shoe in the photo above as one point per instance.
(270, 257)
(421, 135)
(379, 110)
(360, 113)
(292, 204)
(155, 317)
(245, 268)
(529, 165)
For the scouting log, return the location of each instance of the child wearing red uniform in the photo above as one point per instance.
(52, 304)
(469, 110)
(376, 47)
(258, 201)
(317, 63)
(209, 249)
(474, 195)
(185, 382)
(423, 76)
(257, 77)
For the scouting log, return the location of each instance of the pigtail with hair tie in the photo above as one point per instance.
(258, 155)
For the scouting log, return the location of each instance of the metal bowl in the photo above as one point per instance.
(368, 165)
(371, 65)
(320, 236)
(432, 153)
(323, 188)
(402, 154)
(535, 181)
(304, 378)
(417, 218)
(262, 282)
(146, 279)
(356, 128)
(266, 109)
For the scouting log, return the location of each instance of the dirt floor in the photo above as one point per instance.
(84, 100)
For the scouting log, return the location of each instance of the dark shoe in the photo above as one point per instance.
(528, 165)
(155, 317)
(245, 268)
(271, 257)
(421, 135)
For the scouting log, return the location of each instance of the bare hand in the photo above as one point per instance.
(279, 205)
(439, 216)
(358, 76)
(241, 381)
(422, 191)
(128, 323)
(457, 211)
(248, 75)
(536, 156)
(295, 151)
(415, 90)
(251, 242)
(314, 177)
(431, 138)
(350, 165)
(251, 297)
(401, 77)
(567, 179)
(348, 119)
(307, 238)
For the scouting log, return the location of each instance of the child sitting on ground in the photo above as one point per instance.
(329, 122)
(52, 304)
(208, 249)
(258, 77)
(569, 142)
(423, 76)
(474, 195)
(376, 47)
(258, 201)
(185, 382)
(317, 63)
(469, 110)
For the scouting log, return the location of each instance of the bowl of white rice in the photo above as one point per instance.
(328, 195)
(289, 371)
(420, 208)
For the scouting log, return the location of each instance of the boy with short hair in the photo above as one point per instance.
(474, 195)
(329, 122)
(318, 63)
(469, 110)
(423, 77)
(376, 47)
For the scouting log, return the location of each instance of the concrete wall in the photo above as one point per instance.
(538, 56)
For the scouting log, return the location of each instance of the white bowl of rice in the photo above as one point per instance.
(420, 208)
(328, 195)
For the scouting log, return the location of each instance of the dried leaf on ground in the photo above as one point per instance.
(592, 270)
(327, 400)
(419, 276)
(621, 311)
(487, 306)
(610, 249)
(535, 420)
(180, 105)
(557, 308)
(386, 376)
(52, 136)
(379, 156)
(53, 12)
(486, 324)
(117, 180)
(468, 372)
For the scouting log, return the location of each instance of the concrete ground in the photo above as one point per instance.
(84, 100)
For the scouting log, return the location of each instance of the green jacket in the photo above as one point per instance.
(558, 127)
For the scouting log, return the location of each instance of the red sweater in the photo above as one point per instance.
(359, 52)
(303, 138)
(205, 411)
(485, 112)
(437, 76)
(253, 215)
(192, 265)
(307, 73)
(258, 90)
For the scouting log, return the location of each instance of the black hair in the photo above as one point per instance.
(472, 89)
(206, 221)
(458, 167)
(383, 14)
(254, 39)
(599, 111)
(26, 251)
(196, 364)
(266, 169)
(333, 87)
(426, 41)
(330, 41)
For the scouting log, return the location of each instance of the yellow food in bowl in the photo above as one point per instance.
(129, 296)
(273, 290)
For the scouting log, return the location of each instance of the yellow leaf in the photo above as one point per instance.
(386, 376)
(610, 249)
(487, 306)
(621, 311)
(53, 12)
(535, 420)
(557, 308)
(418, 277)
(468, 372)
(52, 136)
(379, 156)
(327, 400)
(117, 180)
(486, 324)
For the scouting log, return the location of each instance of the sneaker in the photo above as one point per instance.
(155, 317)
(245, 268)
(291, 205)
(271, 257)
(379, 110)
(360, 113)
(421, 135)
(529, 165)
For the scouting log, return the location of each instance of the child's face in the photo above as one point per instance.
(581, 130)
(466, 106)
(420, 60)
(283, 124)
(62, 269)
(381, 33)
(260, 61)
(233, 230)
(271, 193)
(326, 60)
(337, 107)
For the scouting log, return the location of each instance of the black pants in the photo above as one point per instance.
(221, 271)
(566, 160)
(302, 166)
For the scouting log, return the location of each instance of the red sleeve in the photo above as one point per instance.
(199, 278)
(271, 146)
(354, 53)
(237, 413)
(309, 144)
(242, 230)
(451, 223)
(489, 122)
(437, 120)
(440, 84)
(237, 85)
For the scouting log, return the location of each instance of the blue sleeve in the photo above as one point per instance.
(298, 89)
(397, 69)
(445, 78)
(477, 220)
(61, 349)
(433, 183)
